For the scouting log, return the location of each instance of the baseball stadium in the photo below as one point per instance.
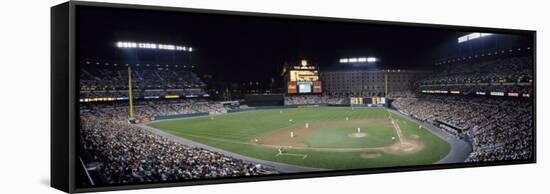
(234, 97)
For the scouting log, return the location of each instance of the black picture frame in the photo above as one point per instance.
(64, 102)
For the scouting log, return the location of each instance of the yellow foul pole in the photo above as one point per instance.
(130, 97)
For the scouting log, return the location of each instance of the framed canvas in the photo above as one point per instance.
(147, 96)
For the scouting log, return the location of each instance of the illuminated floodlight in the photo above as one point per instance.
(371, 59)
(166, 46)
(472, 36)
(358, 60)
(303, 62)
(190, 49)
(462, 39)
(180, 48)
(126, 44)
(144, 45)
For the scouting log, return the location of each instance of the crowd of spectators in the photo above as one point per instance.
(148, 110)
(501, 70)
(315, 100)
(127, 153)
(401, 94)
(472, 89)
(101, 80)
(500, 128)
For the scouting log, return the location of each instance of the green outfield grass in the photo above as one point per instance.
(235, 132)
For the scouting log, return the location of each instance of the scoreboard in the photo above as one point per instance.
(304, 79)
(304, 87)
(367, 101)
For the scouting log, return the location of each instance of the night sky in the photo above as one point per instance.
(245, 48)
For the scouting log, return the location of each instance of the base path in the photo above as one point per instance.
(398, 131)
(285, 168)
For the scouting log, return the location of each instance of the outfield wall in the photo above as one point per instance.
(265, 100)
(180, 116)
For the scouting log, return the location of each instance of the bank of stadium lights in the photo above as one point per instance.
(472, 36)
(122, 44)
(482, 55)
(358, 60)
(137, 64)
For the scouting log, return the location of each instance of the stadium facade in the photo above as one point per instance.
(369, 82)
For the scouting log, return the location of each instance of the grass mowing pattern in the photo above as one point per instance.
(233, 132)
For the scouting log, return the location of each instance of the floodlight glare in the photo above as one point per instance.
(358, 60)
(472, 36)
(303, 62)
(462, 39)
(122, 44)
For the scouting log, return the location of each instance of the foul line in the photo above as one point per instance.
(398, 131)
(304, 156)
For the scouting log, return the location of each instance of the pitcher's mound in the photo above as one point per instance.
(357, 135)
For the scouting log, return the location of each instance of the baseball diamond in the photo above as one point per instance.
(328, 142)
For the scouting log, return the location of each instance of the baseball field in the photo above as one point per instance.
(321, 137)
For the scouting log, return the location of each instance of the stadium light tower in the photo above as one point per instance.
(154, 46)
(472, 36)
(130, 96)
(359, 60)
